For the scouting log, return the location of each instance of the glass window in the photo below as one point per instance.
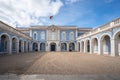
(53, 35)
(35, 36)
(71, 36)
(63, 36)
(42, 35)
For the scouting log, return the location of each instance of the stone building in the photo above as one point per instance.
(104, 39)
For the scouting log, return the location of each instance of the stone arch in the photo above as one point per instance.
(79, 46)
(42, 46)
(72, 46)
(20, 45)
(94, 45)
(28, 48)
(5, 43)
(35, 46)
(105, 44)
(14, 44)
(87, 46)
(116, 37)
(53, 46)
(63, 46)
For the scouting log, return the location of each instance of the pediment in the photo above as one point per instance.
(53, 27)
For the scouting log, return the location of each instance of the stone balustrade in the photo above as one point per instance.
(13, 30)
(112, 24)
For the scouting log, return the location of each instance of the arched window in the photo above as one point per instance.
(71, 36)
(53, 35)
(42, 35)
(63, 36)
(35, 35)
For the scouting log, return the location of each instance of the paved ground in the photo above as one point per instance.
(70, 65)
(59, 77)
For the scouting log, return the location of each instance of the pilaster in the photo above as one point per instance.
(10, 46)
(113, 47)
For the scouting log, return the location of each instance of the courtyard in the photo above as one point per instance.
(63, 63)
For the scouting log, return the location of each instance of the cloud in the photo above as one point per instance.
(71, 1)
(27, 12)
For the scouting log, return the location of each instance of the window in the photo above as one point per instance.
(63, 36)
(53, 35)
(35, 35)
(42, 35)
(71, 36)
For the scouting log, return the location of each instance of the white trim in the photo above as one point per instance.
(34, 36)
(114, 35)
(5, 34)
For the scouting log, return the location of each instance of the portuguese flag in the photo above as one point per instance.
(51, 17)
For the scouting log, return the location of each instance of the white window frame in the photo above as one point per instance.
(53, 35)
(35, 38)
(63, 36)
(42, 35)
(71, 35)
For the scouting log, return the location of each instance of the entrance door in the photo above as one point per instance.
(53, 47)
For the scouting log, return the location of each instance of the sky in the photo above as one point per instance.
(80, 13)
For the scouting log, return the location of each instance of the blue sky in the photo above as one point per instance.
(81, 13)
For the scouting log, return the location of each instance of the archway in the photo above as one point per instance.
(105, 45)
(35, 46)
(53, 47)
(20, 45)
(88, 46)
(95, 45)
(42, 47)
(71, 47)
(63, 47)
(14, 45)
(25, 46)
(5, 44)
(117, 43)
(79, 46)
(82, 46)
(28, 48)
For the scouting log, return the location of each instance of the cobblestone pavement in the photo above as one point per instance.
(59, 66)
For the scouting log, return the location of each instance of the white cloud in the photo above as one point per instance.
(71, 1)
(26, 12)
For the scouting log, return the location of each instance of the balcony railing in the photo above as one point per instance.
(104, 27)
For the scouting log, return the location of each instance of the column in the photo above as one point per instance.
(30, 45)
(17, 46)
(38, 46)
(58, 46)
(10, 47)
(47, 46)
(67, 46)
(90, 46)
(84, 47)
(23, 46)
(113, 47)
(76, 46)
(26, 46)
(81, 47)
(99, 47)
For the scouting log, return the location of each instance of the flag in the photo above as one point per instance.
(51, 17)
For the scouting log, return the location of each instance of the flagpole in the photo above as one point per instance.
(51, 18)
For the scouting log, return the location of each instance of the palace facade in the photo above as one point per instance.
(39, 38)
(103, 40)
